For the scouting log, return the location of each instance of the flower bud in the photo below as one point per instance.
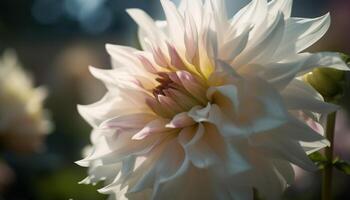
(327, 81)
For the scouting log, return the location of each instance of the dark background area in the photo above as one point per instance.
(56, 40)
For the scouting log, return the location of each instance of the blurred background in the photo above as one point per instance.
(56, 40)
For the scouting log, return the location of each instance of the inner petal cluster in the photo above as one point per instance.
(177, 92)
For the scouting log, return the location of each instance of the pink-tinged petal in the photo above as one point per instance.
(191, 38)
(132, 121)
(155, 126)
(184, 101)
(317, 127)
(175, 78)
(169, 104)
(147, 64)
(160, 57)
(192, 85)
(157, 108)
(175, 59)
(180, 120)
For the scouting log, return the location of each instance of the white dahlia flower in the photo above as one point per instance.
(24, 122)
(212, 106)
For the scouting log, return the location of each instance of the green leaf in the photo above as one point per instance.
(319, 159)
(342, 165)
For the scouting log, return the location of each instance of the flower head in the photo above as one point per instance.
(23, 122)
(211, 107)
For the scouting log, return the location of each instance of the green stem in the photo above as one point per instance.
(327, 172)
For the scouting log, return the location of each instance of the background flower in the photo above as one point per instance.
(24, 122)
(211, 107)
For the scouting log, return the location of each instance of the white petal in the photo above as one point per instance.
(191, 37)
(225, 96)
(115, 78)
(198, 150)
(232, 48)
(254, 13)
(301, 33)
(325, 59)
(284, 6)
(311, 147)
(149, 29)
(278, 74)
(301, 96)
(175, 24)
(122, 56)
(195, 8)
(293, 152)
(265, 46)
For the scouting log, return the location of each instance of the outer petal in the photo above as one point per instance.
(265, 46)
(175, 25)
(325, 59)
(284, 6)
(301, 33)
(300, 96)
(148, 29)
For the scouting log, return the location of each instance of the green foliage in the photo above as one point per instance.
(342, 165)
(64, 185)
(319, 159)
